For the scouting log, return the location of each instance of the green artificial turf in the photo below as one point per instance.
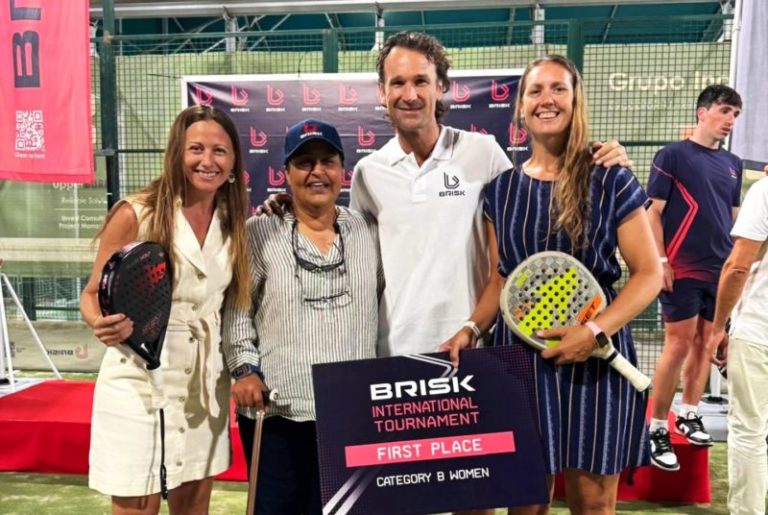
(42, 494)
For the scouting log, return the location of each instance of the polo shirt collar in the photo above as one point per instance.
(443, 148)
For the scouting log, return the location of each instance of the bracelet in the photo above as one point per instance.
(663, 259)
(473, 326)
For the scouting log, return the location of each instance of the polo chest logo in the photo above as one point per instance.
(451, 184)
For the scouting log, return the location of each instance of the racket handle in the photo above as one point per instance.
(640, 381)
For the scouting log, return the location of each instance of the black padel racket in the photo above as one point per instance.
(553, 289)
(138, 282)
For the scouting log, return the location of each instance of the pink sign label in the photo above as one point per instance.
(430, 449)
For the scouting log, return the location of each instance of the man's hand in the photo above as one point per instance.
(464, 339)
(668, 276)
(717, 347)
(248, 392)
(610, 153)
(275, 204)
(576, 344)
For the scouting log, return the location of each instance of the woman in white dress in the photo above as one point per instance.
(196, 210)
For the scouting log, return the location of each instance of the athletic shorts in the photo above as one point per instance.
(689, 298)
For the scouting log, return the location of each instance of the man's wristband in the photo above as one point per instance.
(663, 259)
(473, 326)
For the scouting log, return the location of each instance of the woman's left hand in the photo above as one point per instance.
(464, 339)
(576, 344)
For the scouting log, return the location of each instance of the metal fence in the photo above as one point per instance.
(642, 78)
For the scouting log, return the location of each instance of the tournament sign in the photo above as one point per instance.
(412, 435)
(264, 106)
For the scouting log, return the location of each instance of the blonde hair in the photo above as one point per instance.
(159, 198)
(572, 199)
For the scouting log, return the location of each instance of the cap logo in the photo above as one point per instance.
(310, 129)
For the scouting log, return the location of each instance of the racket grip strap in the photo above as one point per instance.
(163, 471)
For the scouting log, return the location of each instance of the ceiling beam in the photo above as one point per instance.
(186, 9)
(511, 28)
(608, 25)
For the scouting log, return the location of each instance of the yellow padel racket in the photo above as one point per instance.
(553, 289)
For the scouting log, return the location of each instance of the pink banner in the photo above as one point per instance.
(45, 94)
(430, 449)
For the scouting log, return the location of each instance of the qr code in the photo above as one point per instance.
(29, 130)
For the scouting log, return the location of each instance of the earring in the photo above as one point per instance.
(231, 178)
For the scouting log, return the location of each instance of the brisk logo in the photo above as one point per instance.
(460, 92)
(275, 96)
(258, 139)
(420, 388)
(347, 95)
(203, 96)
(499, 92)
(275, 177)
(451, 183)
(238, 96)
(365, 138)
(311, 95)
(346, 177)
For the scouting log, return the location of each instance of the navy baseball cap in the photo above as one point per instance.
(310, 130)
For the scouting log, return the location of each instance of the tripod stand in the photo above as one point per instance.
(5, 352)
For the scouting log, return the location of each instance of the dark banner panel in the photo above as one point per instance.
(413, 435)
(264, 106)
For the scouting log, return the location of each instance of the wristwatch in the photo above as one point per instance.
(601, 338)
(245, 370)
(472, 325)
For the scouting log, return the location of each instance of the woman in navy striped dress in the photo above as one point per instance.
(591, 419)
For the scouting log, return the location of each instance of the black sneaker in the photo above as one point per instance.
(692, 428)
(662, 454)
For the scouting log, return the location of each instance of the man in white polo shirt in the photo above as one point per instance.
(743, 285)
(425, 188)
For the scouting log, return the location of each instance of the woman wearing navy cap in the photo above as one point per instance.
(317, 280)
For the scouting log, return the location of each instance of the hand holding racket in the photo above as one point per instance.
(553, 290)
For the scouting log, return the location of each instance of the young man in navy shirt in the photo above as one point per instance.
(695, 187)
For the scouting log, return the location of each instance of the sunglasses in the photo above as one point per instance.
(326, 285)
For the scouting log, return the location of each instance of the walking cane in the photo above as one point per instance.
(257, 429)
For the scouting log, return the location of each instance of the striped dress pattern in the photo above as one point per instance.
(589, 416)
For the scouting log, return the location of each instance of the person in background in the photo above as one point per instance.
(695, 188)
(196, 210)
(316, 281)
(741, 296)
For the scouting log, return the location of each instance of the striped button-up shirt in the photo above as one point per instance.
(300, 317)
